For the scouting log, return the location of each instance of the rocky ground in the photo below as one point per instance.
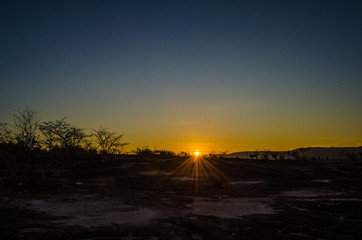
(190, 198)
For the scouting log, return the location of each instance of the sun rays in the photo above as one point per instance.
(201, 172)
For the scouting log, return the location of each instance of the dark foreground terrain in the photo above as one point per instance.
(185, 199)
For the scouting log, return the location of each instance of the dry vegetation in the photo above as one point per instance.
(59, 182)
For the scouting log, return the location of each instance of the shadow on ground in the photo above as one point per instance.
(185, 199)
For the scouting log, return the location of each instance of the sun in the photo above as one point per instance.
(197, 153)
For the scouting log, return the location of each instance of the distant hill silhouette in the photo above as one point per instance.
(309, 153)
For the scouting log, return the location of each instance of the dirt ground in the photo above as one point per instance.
(191, 198)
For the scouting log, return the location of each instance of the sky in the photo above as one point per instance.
(189, 75)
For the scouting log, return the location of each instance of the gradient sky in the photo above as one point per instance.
(189, 75)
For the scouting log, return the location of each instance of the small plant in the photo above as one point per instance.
(5, 134)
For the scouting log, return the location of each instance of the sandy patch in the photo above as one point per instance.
(245, 182)
(232, 207)
(184, 178)
(345, 199)
(322, 180)
(93, 213)
(131, 164)
(310, 193)
(155, 173)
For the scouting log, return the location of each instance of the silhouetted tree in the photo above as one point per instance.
(5, 134)
(164, 153)
(62, 134)
(20, 142)
(88, 145)
(26, 129)
(184, 154)
(7, 147)
(108, 142)
(53, 133)
(62, 139)
(144, 152)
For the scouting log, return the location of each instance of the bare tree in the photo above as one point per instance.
(24, 135)
(74, 137)
(108, 142)
(88, 145)
(50, 131)
(6, 134)
(26, 129)
(61, 134)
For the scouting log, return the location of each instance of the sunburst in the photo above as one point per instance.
(200, 169)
